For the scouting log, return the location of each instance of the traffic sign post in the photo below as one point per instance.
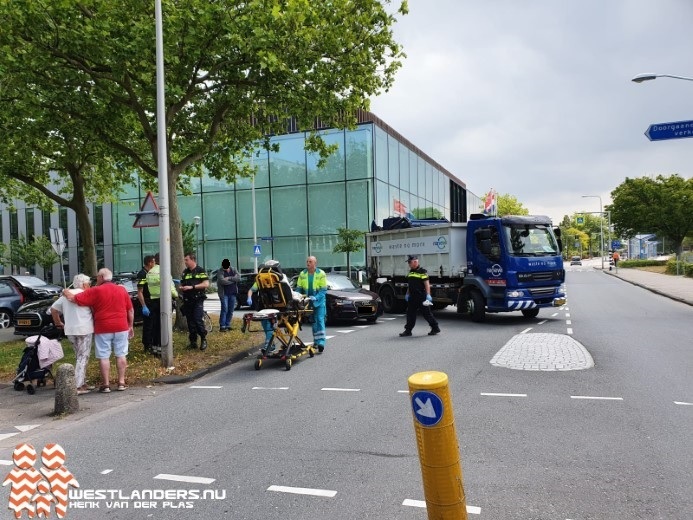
(436, 439)
(148, 215)
(665, 131)
(257, 250)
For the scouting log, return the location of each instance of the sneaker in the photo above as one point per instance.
(405, 333)
(434, 331)
(203, 345)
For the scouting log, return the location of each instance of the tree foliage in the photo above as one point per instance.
(661, 205)
(507, 205)
(28, 253)
(235, 72)
(350, 241)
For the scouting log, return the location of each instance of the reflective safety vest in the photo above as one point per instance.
(154, 283)
(319, 282)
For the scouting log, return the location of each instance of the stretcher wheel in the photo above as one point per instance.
(258, 364)
(287, 363)
(30, 389)
(311, 352)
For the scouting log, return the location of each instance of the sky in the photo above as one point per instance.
(534, 98)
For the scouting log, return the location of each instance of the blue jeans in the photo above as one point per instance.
(228, 304)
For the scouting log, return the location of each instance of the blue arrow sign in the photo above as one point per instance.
(664, 131)
(428, 408)
(257, 251)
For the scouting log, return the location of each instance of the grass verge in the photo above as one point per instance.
(144, 368)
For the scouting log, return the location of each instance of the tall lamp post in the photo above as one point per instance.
(649, 77)
(197, 221)
(601, 225)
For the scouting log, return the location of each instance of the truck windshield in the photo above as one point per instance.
(530, 240)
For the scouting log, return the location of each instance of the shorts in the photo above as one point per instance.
(117, 342)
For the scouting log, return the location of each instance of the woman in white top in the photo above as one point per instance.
(79, 328)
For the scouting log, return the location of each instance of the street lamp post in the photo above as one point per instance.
(649, 77)
(197, 221)
(601, 225)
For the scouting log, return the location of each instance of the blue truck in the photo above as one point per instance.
(485, 265)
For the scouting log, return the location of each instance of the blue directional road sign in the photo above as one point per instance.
(257, 250)
(664, 131)
(428, 408)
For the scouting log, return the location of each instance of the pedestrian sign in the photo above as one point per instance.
(428, 408)
(257, 250)
(579, 220)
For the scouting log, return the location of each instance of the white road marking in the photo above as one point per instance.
(6, 463)
(567, 315)
(4, 436)
(327, 337)
(347, 331)
(554, 315)
(569, 330)
(185, 478)
(402, 391)
(270, 388)
(598, 398)
(472, 510)
(106, 471)
(27, 427)
(362, 326)
(388, 319)
(341, 389)
(303, 491)
(683, 403)
(503, 395)
(205, 387)
(526, 330)
(568, 322)
(542, 322)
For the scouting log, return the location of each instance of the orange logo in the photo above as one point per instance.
(33, 491)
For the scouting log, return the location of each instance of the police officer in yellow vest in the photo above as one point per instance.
(313, 283)
(418, 297)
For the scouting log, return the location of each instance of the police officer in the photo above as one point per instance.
(193, 285)
(418, 292)
(145, 300)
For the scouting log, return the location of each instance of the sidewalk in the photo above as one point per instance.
(679, 288)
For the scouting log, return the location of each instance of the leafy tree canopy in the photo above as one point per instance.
(507, 205)
(235, 71)
(661, 205)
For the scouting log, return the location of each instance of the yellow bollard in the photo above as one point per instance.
(436, 439)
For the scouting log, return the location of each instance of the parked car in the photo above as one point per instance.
(348, 301)
(35, 317)
(10, 300)
(576, 260)
(32, 287)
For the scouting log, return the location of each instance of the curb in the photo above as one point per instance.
(175, 380)
(651, 289)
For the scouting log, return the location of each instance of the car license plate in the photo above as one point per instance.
(23, 322)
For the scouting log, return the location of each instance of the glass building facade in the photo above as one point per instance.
(295, 206)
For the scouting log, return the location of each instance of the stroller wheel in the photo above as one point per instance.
(30, 389)
(18, 386)
(258, 364)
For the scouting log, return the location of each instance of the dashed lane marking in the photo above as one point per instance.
(682, 403)
(542, 322)
(345, 331)
(303, 491)
(596, 397)
(526, 330)
(106, 471)
(27, 427)
(569, 330)
(4, 436)
(185, 478)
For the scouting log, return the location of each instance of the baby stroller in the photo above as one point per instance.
(37, 360)
(283, 315)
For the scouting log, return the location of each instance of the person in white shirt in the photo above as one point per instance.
(78, 324)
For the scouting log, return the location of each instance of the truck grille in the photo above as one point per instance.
(540, 276)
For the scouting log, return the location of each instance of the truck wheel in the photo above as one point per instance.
(477, 306)
(531, 313)
(390, 303)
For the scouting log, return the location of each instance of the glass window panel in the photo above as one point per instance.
(219, 215)
(358, 205)
(123, 232)
(211, 184)
(289, 216)
(393, 160)
(413, 172)
(382, 202)
(359, 153)
(381, 171)
(321, 247)
(326, 208)
(403, 167)
(246, 259)
(29, 224)
(288, 166)
(259, 161)
(244, 201)
(429, 182)
(217, 250)
(395, 207)
(291, 253)
(127, 258)
(334, 169)
(130, 191)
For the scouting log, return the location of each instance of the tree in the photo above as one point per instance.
(45, 255)
(27, 253)
(350, 241)
(236, 73)
(661, 205)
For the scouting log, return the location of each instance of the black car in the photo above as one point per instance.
(10, 300)
(35, 317)
(348, 301)
(32, 287)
